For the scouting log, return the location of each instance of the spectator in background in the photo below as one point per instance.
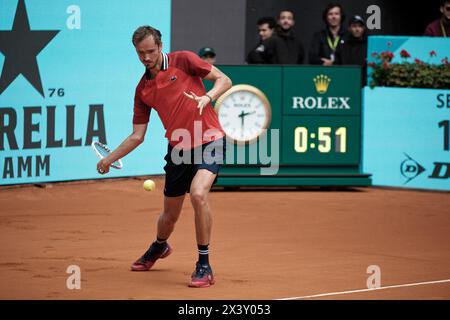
(266, 27)
(208, 54)
(354, 50)
(283, 47)
(327, 41)
(441, 26)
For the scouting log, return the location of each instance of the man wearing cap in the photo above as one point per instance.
(354, 50)
(207, 54)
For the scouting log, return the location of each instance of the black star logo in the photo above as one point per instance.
(20, 46)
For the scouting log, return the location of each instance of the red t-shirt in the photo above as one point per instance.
(180, 71)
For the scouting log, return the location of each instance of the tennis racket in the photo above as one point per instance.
(102, 151)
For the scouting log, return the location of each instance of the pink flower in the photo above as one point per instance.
(385, 65)
(418, 61)
(389, 44)
(387, 56)
(404, 54)
(433, 53)
(371, 64)
(374, 54)
(445, 61)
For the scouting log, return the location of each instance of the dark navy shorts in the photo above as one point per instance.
(182, 165)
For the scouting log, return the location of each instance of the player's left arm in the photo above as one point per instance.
(221, 84)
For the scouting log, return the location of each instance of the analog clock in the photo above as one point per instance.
(244, 113)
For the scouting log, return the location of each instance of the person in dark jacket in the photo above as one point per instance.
(354, 50)
(266, 28)
(441, 26)
(327, 41)
(284, 47)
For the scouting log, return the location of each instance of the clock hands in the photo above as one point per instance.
(247, 113)
(242, 115)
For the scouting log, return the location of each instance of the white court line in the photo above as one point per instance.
(366, 290)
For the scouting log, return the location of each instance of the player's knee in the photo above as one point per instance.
(199, 197)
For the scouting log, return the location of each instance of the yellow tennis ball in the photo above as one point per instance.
(149, 185)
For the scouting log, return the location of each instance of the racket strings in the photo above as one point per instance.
(104, 151)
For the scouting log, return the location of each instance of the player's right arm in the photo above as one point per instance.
(128, 145)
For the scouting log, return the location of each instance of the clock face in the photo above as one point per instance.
(244, 113)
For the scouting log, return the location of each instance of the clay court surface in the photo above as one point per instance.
(267, 244)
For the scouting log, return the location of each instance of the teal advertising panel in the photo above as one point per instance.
(406, 137)
(68, 76)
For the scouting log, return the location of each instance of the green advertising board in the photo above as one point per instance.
(292, 125)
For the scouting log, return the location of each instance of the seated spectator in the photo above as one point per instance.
(327, 41)
(284, 47)
(354, 50)
(441, 26)
(266, 27)
(208, 54)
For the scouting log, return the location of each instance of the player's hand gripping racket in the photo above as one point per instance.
(102, 151)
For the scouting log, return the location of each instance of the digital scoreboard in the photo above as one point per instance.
(303, 122)
(320, 140)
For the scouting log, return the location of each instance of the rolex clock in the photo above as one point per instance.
(244, 113)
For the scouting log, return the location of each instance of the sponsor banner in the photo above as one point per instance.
(68, 75)
(322, 91)
(406, 135)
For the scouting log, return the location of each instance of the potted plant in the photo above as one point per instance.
(410, 73)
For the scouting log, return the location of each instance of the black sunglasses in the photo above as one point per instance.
(447, 8)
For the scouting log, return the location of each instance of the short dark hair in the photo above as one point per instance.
(145, 31)
(444, 2)
(331, 6)
(285, 10)
(269, 20)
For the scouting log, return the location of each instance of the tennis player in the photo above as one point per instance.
(172, 85)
